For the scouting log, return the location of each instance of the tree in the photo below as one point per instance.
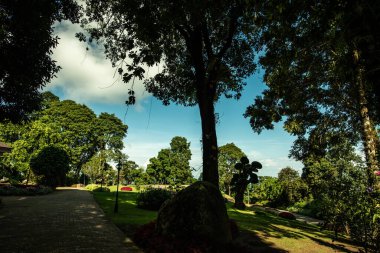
(339, 184)
(51, 165)
(75, 124)
(294, 189)
(288, 174)
(246, 175)
(204, 48)
(130, 172)
(171, 166)
(109, 133)
(321, 64)
(71, 126)
(267, 189)
(228, 156)
(26, 43)
(98, 170)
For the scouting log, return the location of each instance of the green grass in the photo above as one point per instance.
(261, 231)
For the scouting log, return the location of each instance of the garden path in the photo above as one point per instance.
(67, 220)
(299, 217)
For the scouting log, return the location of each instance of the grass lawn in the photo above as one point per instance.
(261, 231)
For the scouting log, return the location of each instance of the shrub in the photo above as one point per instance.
(22, 190)
(126, 188)
(152, 199)
(97, 188)
(287, 215)
(51, 165)
(101, 189)
(91, 187)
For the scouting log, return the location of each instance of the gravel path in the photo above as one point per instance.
(67, 220)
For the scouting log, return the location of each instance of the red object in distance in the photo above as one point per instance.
(126, 188)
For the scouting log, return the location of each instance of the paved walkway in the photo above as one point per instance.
(299, 217)
(66, 221)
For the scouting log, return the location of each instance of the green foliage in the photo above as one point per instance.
(205, 50)
(26, 42)
(51, 165)
(321, 64)
(340, 185)
(228, 156)
(24, 191)
(99, 171)
(97, 188)
(109, 132)
(71, 126)
(246, 175)
(268, 188)
(294, 189)
(171, 166)
(152, 198)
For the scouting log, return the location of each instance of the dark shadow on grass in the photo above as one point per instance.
(253, 243)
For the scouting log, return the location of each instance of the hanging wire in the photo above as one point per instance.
(150, 110)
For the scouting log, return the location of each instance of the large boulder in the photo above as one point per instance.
(197, 211)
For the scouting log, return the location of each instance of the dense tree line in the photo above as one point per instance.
(65, 124)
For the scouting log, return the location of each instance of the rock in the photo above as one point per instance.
(197, 211)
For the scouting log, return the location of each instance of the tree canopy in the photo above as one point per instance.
(229, 154)
(171, 166)
(65, 124)
(321, 63)
(26, 43)
(203, 48)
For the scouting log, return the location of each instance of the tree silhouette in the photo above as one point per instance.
(246, 175)
(26, 43)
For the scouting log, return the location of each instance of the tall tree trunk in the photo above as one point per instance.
(206, 92)
(209, 140)
(368, 132)
(239, 197)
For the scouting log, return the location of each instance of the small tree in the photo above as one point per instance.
(294, 188)
(171, 166)
(228, 156)
(246, 175)
(51, 165)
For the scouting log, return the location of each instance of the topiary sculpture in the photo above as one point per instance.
(246, 175)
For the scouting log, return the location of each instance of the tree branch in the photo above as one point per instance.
(206, 38)
(231, 32)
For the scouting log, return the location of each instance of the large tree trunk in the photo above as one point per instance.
(206, 92)
(368, 132)
(209, 140)
(239, 197)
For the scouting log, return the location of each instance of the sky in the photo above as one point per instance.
(87, 77)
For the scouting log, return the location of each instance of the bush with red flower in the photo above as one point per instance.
(377, 173)
(126, 188)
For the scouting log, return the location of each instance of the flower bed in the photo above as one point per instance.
(126, 188)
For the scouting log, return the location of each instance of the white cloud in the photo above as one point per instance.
(87, 76)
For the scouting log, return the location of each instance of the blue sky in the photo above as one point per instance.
(88, 78)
